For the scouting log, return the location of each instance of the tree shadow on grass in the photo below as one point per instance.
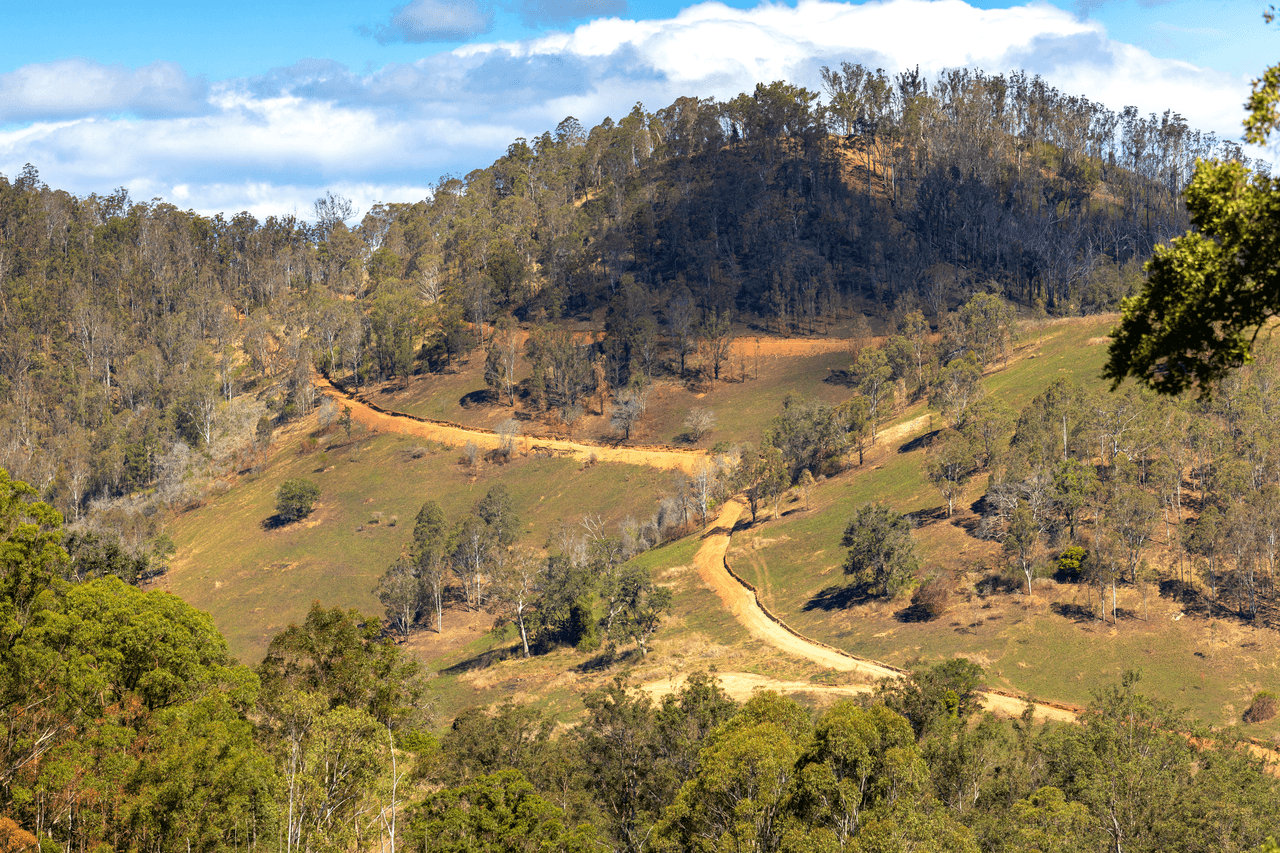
(607, 658)
(483, 660)
(275, 522)
(481, 397)
(1075, 612)
(920, 442)
(838, 598)
(843, 378)
(916, 613)
(931, 515)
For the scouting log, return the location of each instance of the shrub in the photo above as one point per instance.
(262, 433)
(931, 599)
(295, 499)
(1264, 707)
(1070, 562)
(699, 422)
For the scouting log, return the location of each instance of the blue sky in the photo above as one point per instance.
(263, 106)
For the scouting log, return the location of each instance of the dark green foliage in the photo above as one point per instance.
(636, 757)
(343, 657)
(262, 433)
(295, 499)
(935, 698)
(94, 555)
(1208, 292)
(564, 614)
(501, 813)
(808, 435)
(430, 530)
(497, 510)
(120, 698)
(882, 555)
(1146, 786)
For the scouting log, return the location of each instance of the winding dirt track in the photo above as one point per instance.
(455, 435)
(743, 603)
(738, 596)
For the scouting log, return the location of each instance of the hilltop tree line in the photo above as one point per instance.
(129, 331)
(125, 725)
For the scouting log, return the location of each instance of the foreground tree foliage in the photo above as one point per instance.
(127, 727)
(1211, 291)
(123, 716)
(501, 813)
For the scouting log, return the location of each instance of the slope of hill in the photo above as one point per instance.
(1048, 645)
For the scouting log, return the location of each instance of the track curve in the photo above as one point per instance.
(373, 416)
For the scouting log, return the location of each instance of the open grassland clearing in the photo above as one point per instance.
(1048, 350)
(255, 579)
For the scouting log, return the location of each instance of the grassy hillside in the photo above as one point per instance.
(255, 580)
(1046, 646)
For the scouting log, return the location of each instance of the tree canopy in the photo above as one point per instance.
(882, 553)
(1211, 291)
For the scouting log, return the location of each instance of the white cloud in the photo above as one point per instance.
(434, 20)
(275, 142)
(74, 87)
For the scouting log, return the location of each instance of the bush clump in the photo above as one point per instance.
(931, 599)
(295, 499)
(1263, 708)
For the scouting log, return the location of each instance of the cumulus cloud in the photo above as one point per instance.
(434, 20)
(78, 87)
(292, 132)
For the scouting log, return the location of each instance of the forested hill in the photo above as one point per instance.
(123, 324)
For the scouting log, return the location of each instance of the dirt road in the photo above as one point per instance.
(454, 435)
(739, 598)
(743, 603)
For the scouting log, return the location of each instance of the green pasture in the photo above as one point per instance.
(255, 580)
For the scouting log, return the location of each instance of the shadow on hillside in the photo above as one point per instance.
(838, 598)
(925, 517)
(843, 378)
(394, 386)
(608, 657)
(919, 612)
(1195, 602)
(920, 442)
(274, 522)
(480, 397)
(483, 660)
(1077, 613)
